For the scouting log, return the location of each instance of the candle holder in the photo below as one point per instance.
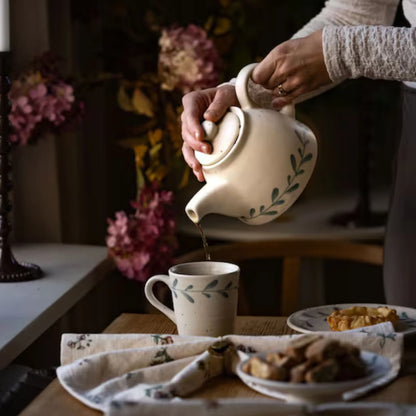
(10, 269)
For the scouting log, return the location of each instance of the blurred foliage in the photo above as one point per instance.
(115, 38)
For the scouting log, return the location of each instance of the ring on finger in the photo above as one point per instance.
(281, 91)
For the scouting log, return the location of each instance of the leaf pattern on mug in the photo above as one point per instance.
(210, 289)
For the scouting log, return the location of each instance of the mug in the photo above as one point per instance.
(204, 295)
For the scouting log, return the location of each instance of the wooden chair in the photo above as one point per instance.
(291, 253)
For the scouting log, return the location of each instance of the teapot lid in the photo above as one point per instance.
(222, 136)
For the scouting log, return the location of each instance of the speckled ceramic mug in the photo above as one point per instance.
(204, 294)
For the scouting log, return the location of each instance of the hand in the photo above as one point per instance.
(210, 104)
(297, 66)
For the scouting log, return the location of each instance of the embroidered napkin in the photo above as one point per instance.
(122, 373)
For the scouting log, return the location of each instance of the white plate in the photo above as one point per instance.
(314, 319)
(367, 409)
(377, 366)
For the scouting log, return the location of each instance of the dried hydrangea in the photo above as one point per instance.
(143, 243)
(188, 60)
(41, 100)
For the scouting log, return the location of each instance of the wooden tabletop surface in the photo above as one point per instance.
(55, 400)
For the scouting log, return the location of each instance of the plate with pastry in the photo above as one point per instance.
(312, 370)
(349, 316)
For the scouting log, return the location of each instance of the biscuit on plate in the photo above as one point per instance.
(359, 316)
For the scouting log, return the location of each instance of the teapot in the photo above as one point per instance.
(261, 161)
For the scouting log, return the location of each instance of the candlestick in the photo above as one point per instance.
(10, 269)
(4, 25)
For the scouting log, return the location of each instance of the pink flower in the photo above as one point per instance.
(40, 103)
(188, 60)
(143, 243)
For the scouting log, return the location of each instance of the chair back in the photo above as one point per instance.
(291, 252)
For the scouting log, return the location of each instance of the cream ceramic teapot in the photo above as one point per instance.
(261, 161)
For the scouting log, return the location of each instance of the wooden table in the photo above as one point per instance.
(55, 400)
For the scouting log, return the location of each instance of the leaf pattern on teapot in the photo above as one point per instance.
(277, 197)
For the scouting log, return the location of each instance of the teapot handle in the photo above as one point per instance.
(241, 88)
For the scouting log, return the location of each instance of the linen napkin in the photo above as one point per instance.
(125, 374)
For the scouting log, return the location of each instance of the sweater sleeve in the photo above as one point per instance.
(336, 14)
(351, 13)
(376, 52)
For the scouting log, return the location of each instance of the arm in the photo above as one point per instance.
(305, 62)
(336, 13)
(351, 13)
(376, 52)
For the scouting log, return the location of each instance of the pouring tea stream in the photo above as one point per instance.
(261, 161)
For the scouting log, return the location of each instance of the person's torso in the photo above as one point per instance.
(409, 10)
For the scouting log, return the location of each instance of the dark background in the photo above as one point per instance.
(95, 176)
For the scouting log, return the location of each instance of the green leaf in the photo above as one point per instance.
(225, 294)
(275, 194)
(301, 171)
(189, 287)
(175, 282)
(207, 295)
(140, 180)
(252, 211)
(307, 158)
(293, 162)
(279, 202)
(228, 285)
(262, 208)
(211, 285)
(289, 178)
(270, 213)
(293, 188)
(300, 151)
(191, 299)
(175, 294)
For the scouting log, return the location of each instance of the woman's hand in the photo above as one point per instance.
(210, 104)
(293, 68)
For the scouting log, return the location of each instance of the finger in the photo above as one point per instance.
(195, 139)
(282, 90)
(273, 70)
(190, 159)
(192, 132)
(279, 102)
(263, 72)
(294, 82)
(190, 118)
(224, 98)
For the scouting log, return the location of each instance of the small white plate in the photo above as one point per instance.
(377, 366)
(314, 319)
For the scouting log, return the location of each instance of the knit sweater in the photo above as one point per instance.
(359, 41)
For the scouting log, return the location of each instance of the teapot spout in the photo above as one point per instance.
(208, 200)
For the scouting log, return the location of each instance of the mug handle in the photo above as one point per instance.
(148, 291)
